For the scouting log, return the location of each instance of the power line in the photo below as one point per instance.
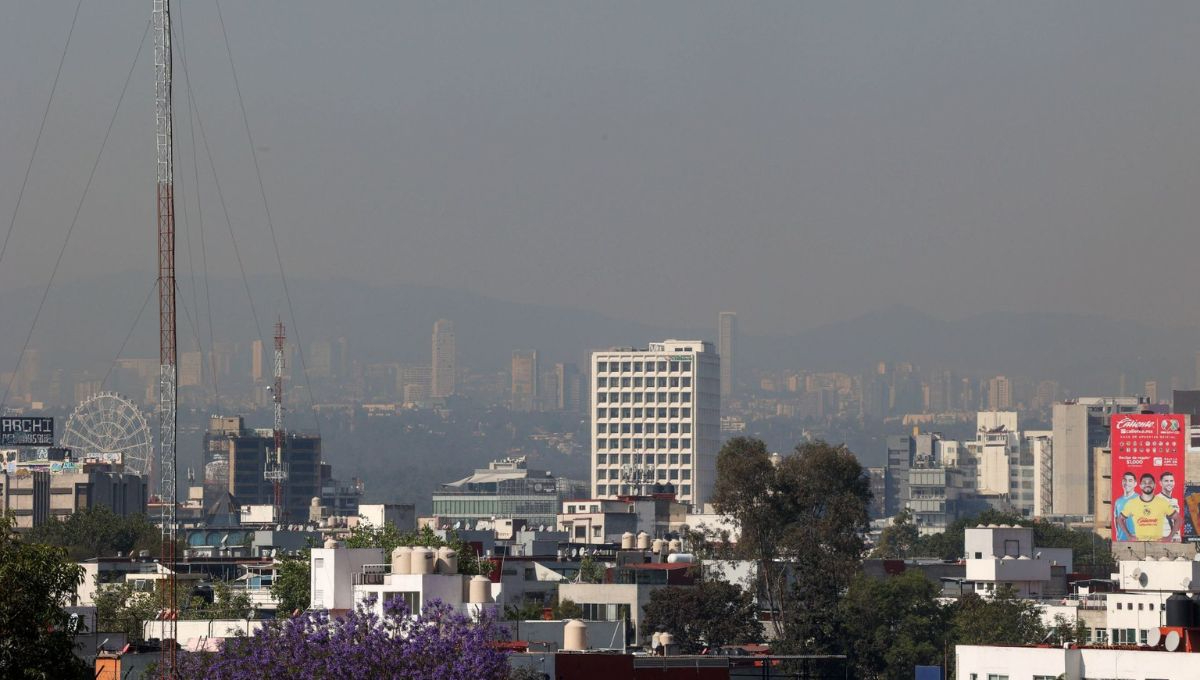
(75, 220)
(270, 223)
(41, 126)
(132, 328)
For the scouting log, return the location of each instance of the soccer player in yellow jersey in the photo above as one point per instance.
(1148, 517)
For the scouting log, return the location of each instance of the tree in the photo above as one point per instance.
(121, 609)
(591, 571)
(290, 587)
(898, 539)
(1004, 619)
(35, 581)
(893, 624)
(98, 532)
(567, 609)
(802, 520)
(436, 644)
(713, 613)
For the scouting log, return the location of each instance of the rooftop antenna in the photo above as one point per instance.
(167, 384)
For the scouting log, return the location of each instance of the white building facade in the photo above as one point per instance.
(656, 416)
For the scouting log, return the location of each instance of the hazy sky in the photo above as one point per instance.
(798, 162)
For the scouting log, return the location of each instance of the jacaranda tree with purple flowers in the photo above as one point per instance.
(439, 644)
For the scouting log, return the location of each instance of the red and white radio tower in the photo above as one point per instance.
(167, 386)
(276, 469)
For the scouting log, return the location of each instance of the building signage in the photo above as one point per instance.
(1148, 453)
(26, 431)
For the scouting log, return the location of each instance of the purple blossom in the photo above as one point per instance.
(439, 644)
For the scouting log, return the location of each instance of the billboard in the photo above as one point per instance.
(1148, 453)
(1191, 513)
(26, 431)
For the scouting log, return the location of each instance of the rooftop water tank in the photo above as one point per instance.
(575, 635)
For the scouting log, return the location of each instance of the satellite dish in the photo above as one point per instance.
(1172, 641)
(1154, 637)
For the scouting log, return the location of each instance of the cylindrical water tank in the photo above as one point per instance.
(575, 635)
(480, 590)
(657, 546)
(447, 560)
(666, 638)
(422, 561)
(654, 641)
(643, 541)
(627, 541)
(674, 546)
(676, 558)
(330, 543)
(1179, 610)
(402, 560)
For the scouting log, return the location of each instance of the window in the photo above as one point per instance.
(637, 382)
(662, 365)
(602, 382)
(997, 676)
(601, 458)
(687, 397)
(319, 563)
(686, 381)
(687, 412)
(637, 413)
(1118, 606)
(601, 367)
(687, 489)
(626, 366)
(685, 443)
(637, 366)
(601, 397)
(687, 459)
(662, 412)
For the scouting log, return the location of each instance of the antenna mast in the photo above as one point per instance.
(276, 470)
(167, 386)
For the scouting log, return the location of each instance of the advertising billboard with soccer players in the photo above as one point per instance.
(1148, 453)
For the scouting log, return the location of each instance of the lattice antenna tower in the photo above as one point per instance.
(167, 384)
(276, 470)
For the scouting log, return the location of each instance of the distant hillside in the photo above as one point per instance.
(84, 323)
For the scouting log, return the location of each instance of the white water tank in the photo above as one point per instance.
(655, 642)
(657, 546)
(643, 541)
(422, 561)
(447, 560)
(674, 546)
(677, 558)
(575, 635)
(627, 541)
(480, 591)
(666, 639)
(402, 560)
(330, 543)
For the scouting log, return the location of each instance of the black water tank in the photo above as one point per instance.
(1179, 610)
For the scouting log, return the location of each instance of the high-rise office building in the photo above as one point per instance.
(726, 338)
(524, 395)
(442, 377)
(570, 387)
(656, 417)
(256, 360)
(1080, 427)
(999, 394)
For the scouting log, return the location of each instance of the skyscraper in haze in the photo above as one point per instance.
(726, 337)
(442, 377)
(256, 360)
(524, 380)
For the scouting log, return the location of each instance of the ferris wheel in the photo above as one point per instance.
(110, 426)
